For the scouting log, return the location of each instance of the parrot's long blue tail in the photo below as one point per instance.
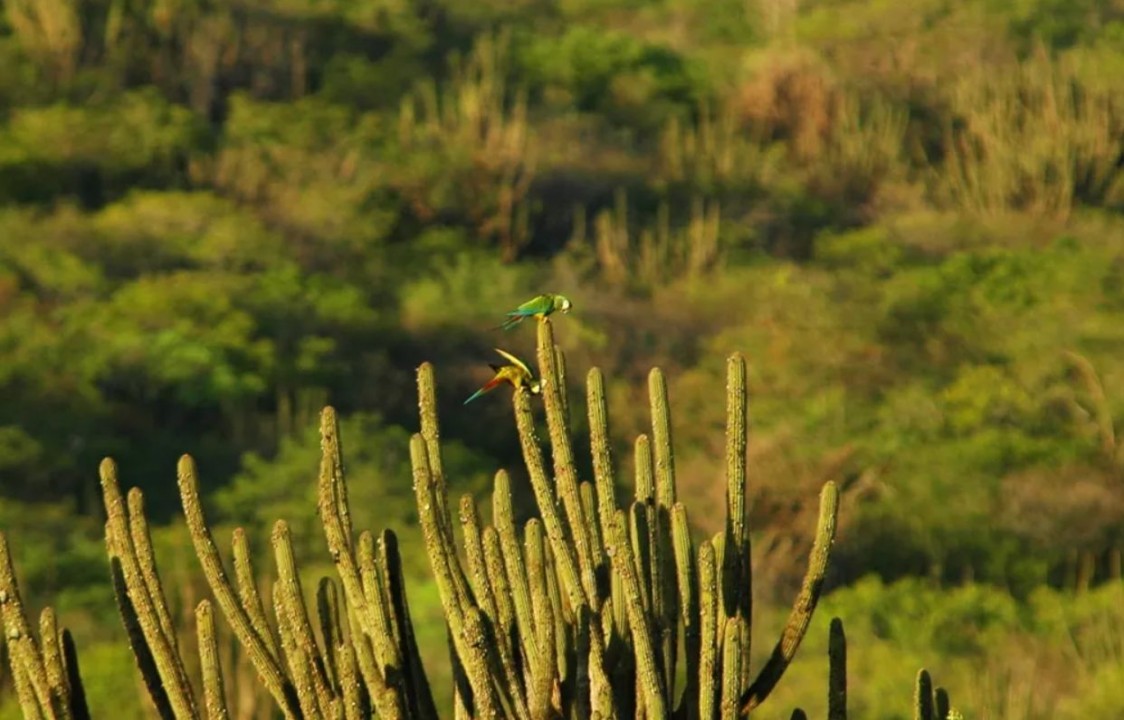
(474, 395)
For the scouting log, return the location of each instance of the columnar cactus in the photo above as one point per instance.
(592, 608)
(629, 579)
(44, 671)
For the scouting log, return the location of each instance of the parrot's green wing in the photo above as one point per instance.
(515, 361)
(534, 306)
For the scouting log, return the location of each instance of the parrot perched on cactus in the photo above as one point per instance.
(539, 306)
(518, 374)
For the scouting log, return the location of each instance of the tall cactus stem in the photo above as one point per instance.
(122, 542)
(214, 691)
(431, 432)
(474, 552)
(142, 653)
(837, 671)
(804, 606)
(565, 470)
(942, 704)
(446, 567)
(604, 473)
(78, 706)
(544, 497)
(268, 669)
(545, 664)
(708, 630)
(288, 587)
(517, 577)
(248, 591)
(731, 669)
(418, 692)
(649, 676)
(643, 473)
(33, 684)
(686, 582)
(923, 696)
(331, 628)
(52, 657)
(146, 559)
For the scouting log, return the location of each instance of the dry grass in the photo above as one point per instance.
(1037, 138)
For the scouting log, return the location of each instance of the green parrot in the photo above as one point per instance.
(518, 374)
(539, 306)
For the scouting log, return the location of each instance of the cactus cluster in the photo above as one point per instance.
(590, 609)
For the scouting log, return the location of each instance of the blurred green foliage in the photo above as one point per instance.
(214, 220)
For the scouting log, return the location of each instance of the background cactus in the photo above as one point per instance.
(590, 609)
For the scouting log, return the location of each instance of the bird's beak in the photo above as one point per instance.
(536, 388)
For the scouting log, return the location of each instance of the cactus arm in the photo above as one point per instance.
(474, 556)
(650, 679)
(804, 606)
(296, 658)
(565, 470)
(837, 671)
(248, 591)
(685, 578)
(603, 472)
(354, 707)
(373, 683)
(544, 497)
(544, 667)
(146, 559)
(122, 542)
(943, 706)
(420, 696)
(731, 668)
(52, 658)
(79, 709)
(517, 574)
(640, 540)
(923, 696)
(596, 544)
(214, 692)
(268, 669)
(560, 370)
(643, 473)
(25, 693)
(336, 530)
(146, 663)
(735, 569)
(708, 631)
(288, 587)
(331, 629)
(27, 660)
(431, 432)
(511, 681)
(467, 642)
(661, 438)
(502, 592)
(665, 586)
(563, 622)
(372, 661)
(387, 652)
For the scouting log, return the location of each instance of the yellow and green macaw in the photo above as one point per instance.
(539, 307)
(517, 374)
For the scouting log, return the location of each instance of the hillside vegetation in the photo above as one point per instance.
(216, 218)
